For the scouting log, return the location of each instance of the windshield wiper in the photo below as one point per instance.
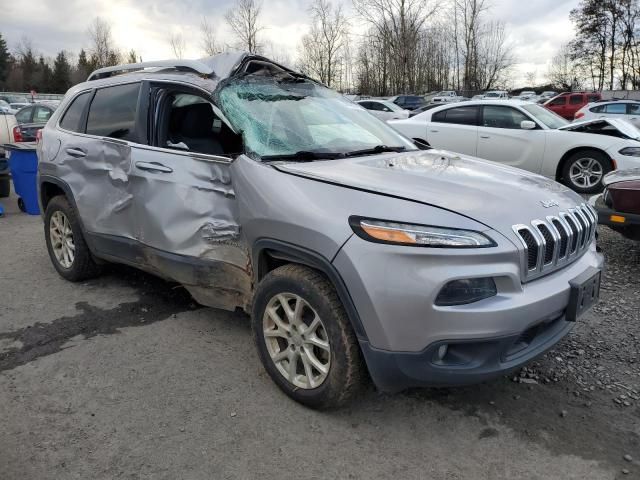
(303, 156)
(374, 150)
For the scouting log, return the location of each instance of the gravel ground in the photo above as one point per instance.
(125, 376)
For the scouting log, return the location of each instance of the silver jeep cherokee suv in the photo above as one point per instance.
(353, 250)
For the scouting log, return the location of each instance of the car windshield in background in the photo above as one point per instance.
(547, 117)
(285, 117)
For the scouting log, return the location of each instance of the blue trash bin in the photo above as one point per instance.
(23, 164)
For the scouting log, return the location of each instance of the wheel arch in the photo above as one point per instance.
(268, 254)
(575, 150)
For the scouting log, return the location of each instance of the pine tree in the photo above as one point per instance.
(29, 67)
(4, 62)
(61, 78)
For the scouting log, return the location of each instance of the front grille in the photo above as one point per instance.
(557, 240)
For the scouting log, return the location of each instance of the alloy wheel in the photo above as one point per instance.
(61, 237)
(586, 172)
(296, 340)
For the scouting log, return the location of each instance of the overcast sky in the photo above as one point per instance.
(536, 27)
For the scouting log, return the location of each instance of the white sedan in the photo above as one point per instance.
(528, 136)
(384, 110)
(623, 109)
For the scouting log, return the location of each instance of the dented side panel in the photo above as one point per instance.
(192, 212)
(97, 171)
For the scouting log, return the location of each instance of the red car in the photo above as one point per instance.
(567, 104)
(619, 204)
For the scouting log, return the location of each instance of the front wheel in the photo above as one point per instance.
(304, 338)
(583, 171)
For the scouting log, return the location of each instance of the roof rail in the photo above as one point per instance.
(194, 66)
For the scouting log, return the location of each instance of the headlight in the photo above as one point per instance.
(630, 151)
(382, 231)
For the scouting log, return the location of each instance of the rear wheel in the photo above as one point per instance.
(583, 171)
(67, 248)
(304, 338)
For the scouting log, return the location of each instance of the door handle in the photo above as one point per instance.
(434, 131)
(485, 136)
(154, 167)
(76, 152)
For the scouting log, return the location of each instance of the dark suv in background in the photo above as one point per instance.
(408, 102)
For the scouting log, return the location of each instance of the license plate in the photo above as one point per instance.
(585, 291)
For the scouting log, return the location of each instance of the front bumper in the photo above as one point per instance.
(480, 360)
(394, 288)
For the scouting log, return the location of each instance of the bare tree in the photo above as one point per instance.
(322, 48)
(209, 42)
(176, 40)
(494, 55)
(564, 72)
(243, 18)
(531, 78)
(102, 50)
(398, 25)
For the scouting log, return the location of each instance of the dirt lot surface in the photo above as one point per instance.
(126, 377)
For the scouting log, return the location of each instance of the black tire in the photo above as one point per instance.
(21, 205)
(346, 373)
(5, 187)
(603, 161)
(83, 266)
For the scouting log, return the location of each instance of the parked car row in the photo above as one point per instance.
(526, 135)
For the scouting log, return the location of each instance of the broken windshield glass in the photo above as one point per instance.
(279, 118)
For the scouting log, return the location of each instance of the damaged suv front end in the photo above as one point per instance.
(351, 248)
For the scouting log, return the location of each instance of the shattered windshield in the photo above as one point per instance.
(285, 116)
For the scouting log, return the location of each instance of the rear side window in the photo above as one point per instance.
(598, 109)
(113, 112)
(41, 114)
(616, 108)
(575, 99)
(73, 115)
(459, 115)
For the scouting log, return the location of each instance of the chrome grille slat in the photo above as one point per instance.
(556, 241)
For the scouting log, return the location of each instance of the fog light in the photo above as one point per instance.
(462, 292)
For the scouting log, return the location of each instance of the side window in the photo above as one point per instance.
(616, 108)
(188, 122)
(575, 99)
(379, 107)
(598, 109)
(41, 114)
(113, 112)
(559, 101)
(459, 115)
(502, 117)
(24, 115)
(366, 105)
(73, 115)
(633, 108)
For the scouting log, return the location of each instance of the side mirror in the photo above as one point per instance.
(528, 125)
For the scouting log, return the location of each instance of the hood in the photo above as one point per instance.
(492, 194)
(623, 126)
(621, 176)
